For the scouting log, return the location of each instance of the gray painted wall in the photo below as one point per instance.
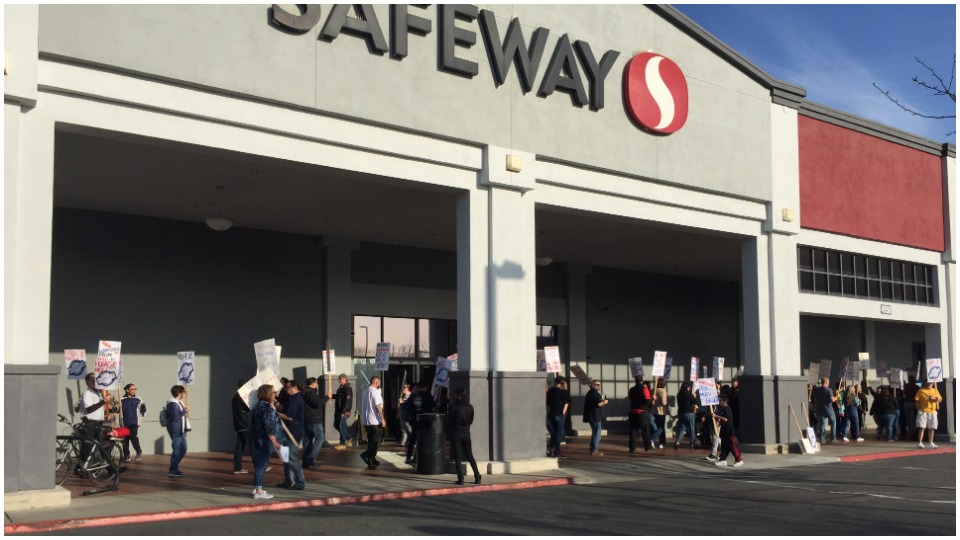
(833, 338)
(234, 49)
(27, 466)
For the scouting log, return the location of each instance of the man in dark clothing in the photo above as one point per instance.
(640, 400)
(313, 404)
(558, 402)
(908, 420)
(686, 411)
(823, 399)
(593, 404)
(735, 405)
(342, 405)
(420, 401)
(728, 441)
(292, 417)
(241, 424)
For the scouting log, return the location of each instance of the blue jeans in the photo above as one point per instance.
(179, 450)
(826, 416)
(344, 428)
(312, 441)
(261, 457)
(886, 421)
(852, 418)
(556, 432)
(659, 435)
(686, 426)
(594, 436)
(292, 471)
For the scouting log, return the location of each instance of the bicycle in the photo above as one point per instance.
(92, 452)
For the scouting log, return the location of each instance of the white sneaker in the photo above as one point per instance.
(720, 463)
(711, 457)
(920, 445)
(738, 464)
(262, 495)
(932, 445)
(661, 447)
(859, 439)
(846, 439)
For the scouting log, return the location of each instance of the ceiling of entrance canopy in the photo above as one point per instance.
(177, 181)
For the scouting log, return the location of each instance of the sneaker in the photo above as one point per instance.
(175, 474)
(125, 460)
(560, 455)
(719, 463)
(738, 464)
(711, 457)
(661, 447)
(340, 447)
(285, 484)
(262, 495)
(932, 445)
(139, 458)
(366, 460)
(241, 471)
(267, 469)
(845, 439)
(596, 453)
(563, 443)
(859, 439)
(920, 445)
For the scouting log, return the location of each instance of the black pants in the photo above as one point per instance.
(239, 447)
(374, 434)
(412, 439)
(640, 422)
(134, 439)
(460, 448)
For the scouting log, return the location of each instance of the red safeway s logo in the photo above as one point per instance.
(655, 93)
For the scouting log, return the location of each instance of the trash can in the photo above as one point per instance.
(430, 443)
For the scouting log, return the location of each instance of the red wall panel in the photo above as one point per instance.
(857, 185)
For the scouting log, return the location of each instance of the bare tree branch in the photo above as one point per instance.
(944, 88)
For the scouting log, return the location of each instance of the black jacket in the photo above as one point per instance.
(592, 411)
(343, 399)
(313, 403)
(241, 413)
(685, 401)
(640, 397)
(460, 417)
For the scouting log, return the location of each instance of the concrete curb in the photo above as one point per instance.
(149, 517)
(890, 455)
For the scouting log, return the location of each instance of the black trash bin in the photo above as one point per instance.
(430, 439)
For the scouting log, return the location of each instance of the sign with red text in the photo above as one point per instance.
(551, 356)
(107, 366)
(382, 362)
(76, 360)
(659, 363)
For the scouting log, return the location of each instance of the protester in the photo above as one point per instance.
(133, 409)
(928, 400)
(593, 404)
(851, 414)
(241, 425)
(266, 436)
(177, 414)
(686, 409)
(735, 405)
(313, 404)
(460, 418)
(419, 402)
(558, 401)
(909, 424)
(640, 400)
(292, 418)
(660, 410)
(403, 418)
(373, 422)
(342, 405)
(823, 400)
(91, 408)
(885, 410)
(728, 440)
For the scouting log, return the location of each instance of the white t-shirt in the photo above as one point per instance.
(89, 399)
(371, 398)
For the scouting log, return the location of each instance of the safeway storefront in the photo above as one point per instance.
(449, 179)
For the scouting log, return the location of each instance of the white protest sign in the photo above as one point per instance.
(853, 371)
(825, 367)
(636, 367)
(669, 368)
(107, 367)
(249, 390)
(185, 370)
(76, 360)
(659, 363)
(844, 364)
(896, 377)
(864, 360)
(882, 369)
(382, 362)
(813, 373)
(120, 375)
(551, 355)
(442, 376)
(718, 368)
(454, 364)
(329, 361)
(934, 370)
(694, 369)
(707, 388)
(267, 357)
(541, 360)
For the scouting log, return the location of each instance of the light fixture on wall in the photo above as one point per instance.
(219, 223)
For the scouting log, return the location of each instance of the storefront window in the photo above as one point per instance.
(400, 334)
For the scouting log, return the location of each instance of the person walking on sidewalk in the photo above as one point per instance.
(313, 406)
(823, 400)
(419, 402)
(292, 418)
(241, 425)
(373, 422)
(928, 400)
(177, 414)
(265, 436)
(558, 401)
(593, 404)
(460, 418)
(133, 409)
(728, 439)
(660, 409)
(640, 400)
(851, 414)
(403, 418)
(342, 405)
(686, 411)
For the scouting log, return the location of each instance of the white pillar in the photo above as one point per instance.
(472, 281)
(756, 306)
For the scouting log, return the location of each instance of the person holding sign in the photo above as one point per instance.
(419, 402)
(885, 408)
(823, 400)
(342, 405)
(640, 400)
(177, 414)
(133, 409)
(660, 410)
(292, 418)
(266, 435)
(728, 441)
(686, 411)
(313, 402)
(593, 404)
(928, 399)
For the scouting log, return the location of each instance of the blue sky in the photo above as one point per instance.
(837, 52)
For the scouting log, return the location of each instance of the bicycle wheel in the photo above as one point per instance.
(65, 461)
(102, 467)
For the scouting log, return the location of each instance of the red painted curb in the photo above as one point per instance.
(890, 455)
(110, 521)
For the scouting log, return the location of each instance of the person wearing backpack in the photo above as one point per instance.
(176, 423)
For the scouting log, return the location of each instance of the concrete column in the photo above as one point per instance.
(338, 320)
(755, 286)
(473, 281)
(576, 350)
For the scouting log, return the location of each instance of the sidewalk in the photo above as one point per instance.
(209, 487)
